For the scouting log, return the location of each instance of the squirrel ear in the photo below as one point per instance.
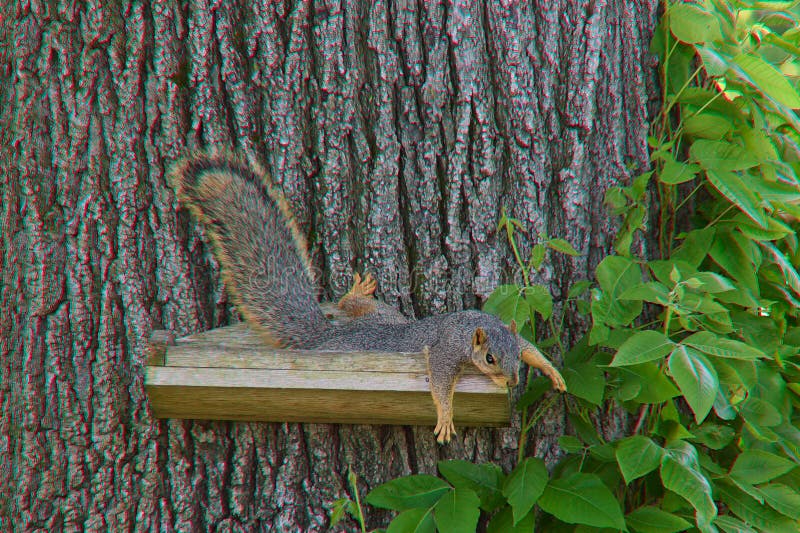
(513, 327)
(478, 339)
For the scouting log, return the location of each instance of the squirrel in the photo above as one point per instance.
(265, 265)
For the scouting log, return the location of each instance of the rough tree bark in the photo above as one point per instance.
(398, 130)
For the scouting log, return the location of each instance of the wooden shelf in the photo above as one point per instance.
(230, 374)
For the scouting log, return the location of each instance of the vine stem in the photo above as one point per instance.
(720, 216)
(688, 197)
(643, 410)
(513, 242)
(522, 436)
(528, 425)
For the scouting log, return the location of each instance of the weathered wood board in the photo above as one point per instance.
(230, 374)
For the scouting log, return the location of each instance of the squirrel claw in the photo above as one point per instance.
(444, 431)
(555, 377)
(363, 286)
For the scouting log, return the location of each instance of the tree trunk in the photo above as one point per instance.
(398, 131)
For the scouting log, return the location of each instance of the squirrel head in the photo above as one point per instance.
(496, 352)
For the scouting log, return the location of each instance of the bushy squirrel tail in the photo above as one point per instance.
(262, 253)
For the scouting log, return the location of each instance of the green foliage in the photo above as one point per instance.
(524, 486)
(457, 511)
(637, 456)
(654, 520)
(346, 505)
(408, 493)
(701, 345)
(582, 499)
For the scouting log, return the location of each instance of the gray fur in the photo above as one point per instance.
(448, 336)
(264, 261)
(259, 254)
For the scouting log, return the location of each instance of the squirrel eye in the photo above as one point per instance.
(489, 358)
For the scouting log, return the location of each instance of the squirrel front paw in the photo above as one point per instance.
(555, 377)
(445, 429)
(533, 357)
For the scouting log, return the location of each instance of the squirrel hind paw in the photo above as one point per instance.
(444, 431)
(363, 286)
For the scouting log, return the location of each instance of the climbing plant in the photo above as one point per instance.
(699, 342)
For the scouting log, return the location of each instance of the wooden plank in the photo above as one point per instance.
(320, 405)
(237, 378)
(157, 347)
(230, 374)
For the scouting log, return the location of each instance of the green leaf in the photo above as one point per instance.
(721, 156)
(734, 372)
(707, 125)
(728, 252)
(696, 378)
(585, 429)
(776, 191)
(760, 413)
(734, 189)
(615, 198)
(570, 444)
(751, 511)
(775, 230)
(637, 456)
(413, 521)
(785, 265)
(652, 291)
(695, 247)
(540, 300)
(537, 257)
(783, 499)
(650, 519)
(408, 492)
(742, 297)
(578, 288)
(643, 346)
(582, 499)
(731, 524)
(680, 473)
(702, 304)
(674, 172)
(536, 389)
(666, 270)
(486, 480)
(638, 186)
(691, 24)
(585, 380)
(602, 452)
(503, 522)
(713, 436)
(457, 511)
(525, 485)
(616, 275)
(655, 386)
(633, 222)
(715, 63)
(562, 246)
(758, 466)
(768, 79)
(722, 347)
(338, 510)
(711, 282)
(508, 303)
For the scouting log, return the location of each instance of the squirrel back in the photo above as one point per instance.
(259, 247)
